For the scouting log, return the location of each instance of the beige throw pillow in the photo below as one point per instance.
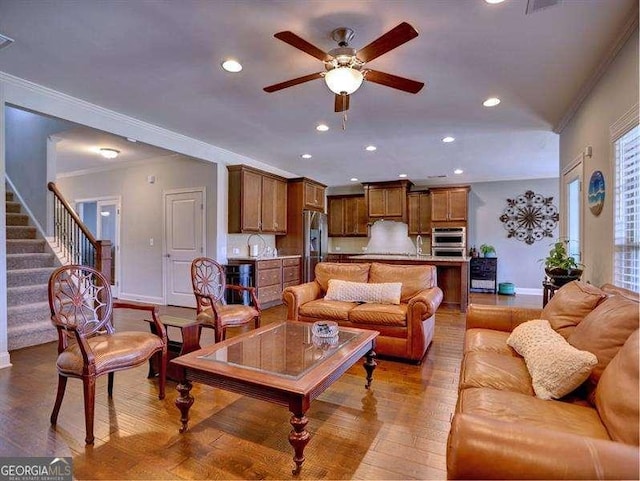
(556, 367)
(383, 293)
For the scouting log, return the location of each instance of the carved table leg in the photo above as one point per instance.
(369, 365)
(184, 403)
(299, 437)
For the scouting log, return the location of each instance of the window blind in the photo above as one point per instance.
(627, 211)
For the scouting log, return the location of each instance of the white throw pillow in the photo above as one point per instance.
(555, 366)
(382, 293)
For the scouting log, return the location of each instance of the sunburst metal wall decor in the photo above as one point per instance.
(530, 217)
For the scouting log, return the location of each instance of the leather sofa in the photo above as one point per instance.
(406, 329)
(501, 430)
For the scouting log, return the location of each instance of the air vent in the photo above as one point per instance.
(441, 176)
(5, 41)
(534, 6)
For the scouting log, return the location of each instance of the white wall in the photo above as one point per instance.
(142, 214)
(614, 95)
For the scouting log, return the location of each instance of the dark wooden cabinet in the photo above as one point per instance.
(419, 205)
(347, 216)
(257, 201)
(449, 206)
(387, 200)
(313, 195)
(483, 273)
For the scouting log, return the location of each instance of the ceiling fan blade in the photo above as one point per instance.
(341, 103)
(301, 44)
(292, 82)
(393, 81)
(390, 40)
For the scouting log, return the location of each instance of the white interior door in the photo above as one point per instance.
(573, 198)
(184, 241)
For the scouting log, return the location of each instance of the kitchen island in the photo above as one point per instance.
(453, 273)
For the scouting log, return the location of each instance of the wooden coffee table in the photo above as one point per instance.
(282, 363)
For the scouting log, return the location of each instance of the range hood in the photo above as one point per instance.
(390, 237)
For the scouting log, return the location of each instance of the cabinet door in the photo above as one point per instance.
(413, 201)
(439, 206)
(336, 216)
(313, 196)
(269, 197)
(319, 197)
(281, 207)
(394, 200)
(251, 201)
(425, 214)
(458, 205)
(362, 219)
(377, 203)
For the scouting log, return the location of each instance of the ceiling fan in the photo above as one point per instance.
(345, 66)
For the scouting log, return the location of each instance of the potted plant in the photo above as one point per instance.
(488, 250)
(559, 266)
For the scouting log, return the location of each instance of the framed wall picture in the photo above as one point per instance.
(596, 192)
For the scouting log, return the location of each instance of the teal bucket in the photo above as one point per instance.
(507, 288)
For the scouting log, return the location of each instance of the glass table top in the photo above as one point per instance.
(287, 349)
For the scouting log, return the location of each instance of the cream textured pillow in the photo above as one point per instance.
(383, 293)
(556, 367)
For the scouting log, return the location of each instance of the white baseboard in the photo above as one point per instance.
(528, 291)
(125, 296)
(5, 361)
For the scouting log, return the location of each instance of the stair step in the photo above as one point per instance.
(17, 219)
(8, 196)
(29, 326)
(21, 232)
(28, 261)
(18, 296)
(23, 277)
(13, 207)
(24, 246)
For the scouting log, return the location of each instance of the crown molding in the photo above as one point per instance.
(627, 30)
(119, 166)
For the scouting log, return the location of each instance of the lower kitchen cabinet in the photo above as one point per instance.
(272, 276)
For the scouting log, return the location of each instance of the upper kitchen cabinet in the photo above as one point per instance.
(257, 201)
(387, 200)
(449, 205)
(313, 195)
(347, 216)
(419, 213)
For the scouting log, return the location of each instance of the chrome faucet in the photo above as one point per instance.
(418, 245)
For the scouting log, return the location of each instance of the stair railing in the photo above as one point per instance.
(71, 235)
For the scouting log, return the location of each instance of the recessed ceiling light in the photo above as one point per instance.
(353, 179)
(371, 148)
(232, 66)
(109, 153)
(131, 140)
(402, 176)
(306, 156)
(322, 127)
(458, 171)
(448, 140)
(494, 2)
(491, 102)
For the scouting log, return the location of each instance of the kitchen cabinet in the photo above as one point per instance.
(387, 200)
(313, 195)
(347, 216)
(419, 205)
(449, 206)
(257, 201)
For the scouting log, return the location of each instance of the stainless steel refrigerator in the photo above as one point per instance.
(316, 242)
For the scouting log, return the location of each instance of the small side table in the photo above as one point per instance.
(548, 292)
(190, 331)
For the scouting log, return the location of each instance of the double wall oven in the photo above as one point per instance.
(448, 242)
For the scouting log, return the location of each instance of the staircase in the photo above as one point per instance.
(29, 265)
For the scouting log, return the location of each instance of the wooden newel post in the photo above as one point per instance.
(103, 258)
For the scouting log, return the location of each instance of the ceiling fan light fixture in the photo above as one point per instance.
(343, 80)
(109, 153)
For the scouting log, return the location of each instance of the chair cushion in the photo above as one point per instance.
(487, 340)
(570, 305)
(230, 315)
(518, 408)
(336, 270)
(495, 371)
(383, 293)
(555, 366)
(617, 398)
(413, 278)
(379, 314)
(112, 352)
(327, 310)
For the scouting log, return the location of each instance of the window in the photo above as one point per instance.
(626, 264)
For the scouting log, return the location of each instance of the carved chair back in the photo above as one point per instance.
(209, 283)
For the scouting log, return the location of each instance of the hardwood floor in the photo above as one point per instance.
(397, 430)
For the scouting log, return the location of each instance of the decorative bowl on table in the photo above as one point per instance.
(325, 329)
(325, 343)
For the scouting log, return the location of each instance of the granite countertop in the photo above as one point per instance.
(408, 258)
(249, 258)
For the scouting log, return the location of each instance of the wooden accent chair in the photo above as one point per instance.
(209, 286)
(88, 346)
